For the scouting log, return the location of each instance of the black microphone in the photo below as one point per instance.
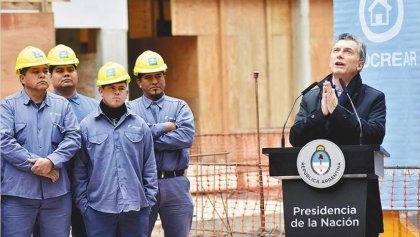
(285, 122)
(343, 85)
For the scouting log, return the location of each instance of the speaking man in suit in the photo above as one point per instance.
(326, 113)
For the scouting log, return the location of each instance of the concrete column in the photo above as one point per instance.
(111, 46)
(302, 54)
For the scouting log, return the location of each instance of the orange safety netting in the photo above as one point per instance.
(234, 195)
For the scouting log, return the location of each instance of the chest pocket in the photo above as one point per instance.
(133, 145)
(97, 145)
(134, 137)
(98, 139)
(20, 133)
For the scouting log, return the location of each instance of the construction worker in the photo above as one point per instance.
(172, 124)
(64, 78)
(39, 135)
(115, 171)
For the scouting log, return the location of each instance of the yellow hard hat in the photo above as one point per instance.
(62, 55)
(112, 72)
(29, 57)
(149, 62)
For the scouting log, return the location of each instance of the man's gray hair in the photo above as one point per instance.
(360, 44)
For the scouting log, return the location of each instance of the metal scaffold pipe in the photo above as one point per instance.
(260, 180)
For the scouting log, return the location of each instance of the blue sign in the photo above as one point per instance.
(390, 29)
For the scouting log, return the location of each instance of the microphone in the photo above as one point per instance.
(285, 122)
(343, 85)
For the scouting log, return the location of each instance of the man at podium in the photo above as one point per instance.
(327, 112)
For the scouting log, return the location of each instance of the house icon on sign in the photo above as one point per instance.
(379, 13)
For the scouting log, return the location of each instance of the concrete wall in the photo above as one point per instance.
(103, 14)
(110, 17)
(214, 48)
(19, 30)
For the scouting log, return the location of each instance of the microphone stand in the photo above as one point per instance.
(358, 119)
(343, 85)
(284, 125)
(307, 89)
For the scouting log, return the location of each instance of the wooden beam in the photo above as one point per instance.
(11, 7)
(33, 1)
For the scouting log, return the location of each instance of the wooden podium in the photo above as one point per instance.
(337, 211)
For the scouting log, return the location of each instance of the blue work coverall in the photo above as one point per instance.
(29, 131)
(115, 175)
(174, 203)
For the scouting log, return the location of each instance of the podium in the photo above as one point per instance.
(345, 209)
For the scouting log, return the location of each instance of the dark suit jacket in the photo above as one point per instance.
(342, 126)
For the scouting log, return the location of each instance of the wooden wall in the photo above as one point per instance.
(214, 48)
(236, 37)
(282, 79)
(223, 42)
(19, 30)
(321, 34)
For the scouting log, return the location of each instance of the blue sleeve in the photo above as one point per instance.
(157, 130)
(81, 176)
(11, 150)
(183, 136)
(71, 142)
(150, 182)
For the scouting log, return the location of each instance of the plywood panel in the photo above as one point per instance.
(233, 38)
(192, 17)
(180, 54)
(19, 30)
(281, 94)
(280, 17)
(280, 65)
(240, 86)
(245, 39)
(243, 16)
(211, 97)
(321, 35)
(240, 49)
(140, 19)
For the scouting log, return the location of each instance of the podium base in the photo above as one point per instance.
(315, 212)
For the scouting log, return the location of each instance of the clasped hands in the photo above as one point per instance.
(44, 167)
(329, 99)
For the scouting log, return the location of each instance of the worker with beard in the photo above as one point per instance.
(172, 124)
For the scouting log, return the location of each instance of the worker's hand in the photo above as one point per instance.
(54, 175)
(41, 166)
(169, 126)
